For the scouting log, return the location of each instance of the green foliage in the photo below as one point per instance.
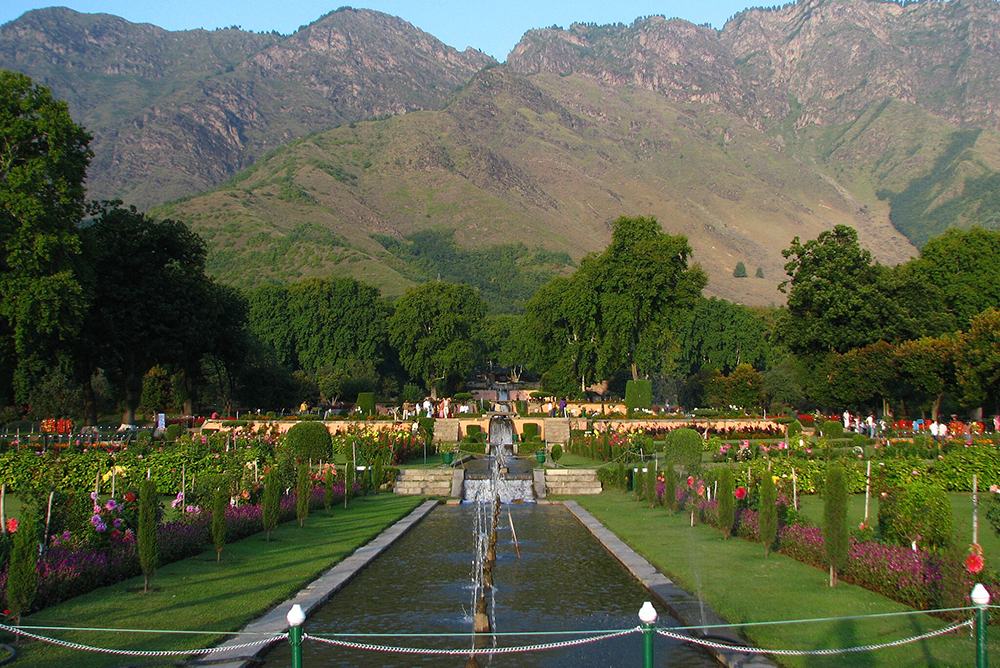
(727, 505)
(366, 402)
(172, 432)
(918, 512)
(302, 489)
(684, 446)
(310, 440)
(650, 484)
(219, 504)
(434, 328)
(836, 537)
(740, 271)
(43, 161)
(832, 429)
(147, 536)
(22, 576)
(759, 273)
(767, 518)
(638, 395)
(794, 428)
(505, 274)
(722, 335)
(412, 393)
(529, 431)
(556, 453)
(670, 486)
(977, 360)
(270, 501)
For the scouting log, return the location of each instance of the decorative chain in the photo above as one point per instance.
(812, 652)
(133, 652)
(466, 652)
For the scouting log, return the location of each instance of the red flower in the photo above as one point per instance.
(690, 481)
(741, 493)
(12, 525)
(129, 497)
(974, 562)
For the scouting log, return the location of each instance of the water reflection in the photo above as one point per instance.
(565, 580)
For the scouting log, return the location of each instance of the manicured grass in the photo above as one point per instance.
(571, 461)
(199, 594)
(738, 582)
(961, 509)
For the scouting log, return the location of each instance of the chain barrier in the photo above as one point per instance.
(812, 652)
(471, 651)
(133, 652)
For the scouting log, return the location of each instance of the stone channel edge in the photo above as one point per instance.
(687, 608)
(317, 592)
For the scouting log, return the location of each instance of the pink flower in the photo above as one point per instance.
(690, 481)
(974, 562)
(741, 493)
(12, 525)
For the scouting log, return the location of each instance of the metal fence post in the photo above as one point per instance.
(647, 615)
(295, 619)
(981, 599)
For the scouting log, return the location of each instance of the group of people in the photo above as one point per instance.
(867, 426)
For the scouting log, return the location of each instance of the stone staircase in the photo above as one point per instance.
(572, 481)
(426, 482)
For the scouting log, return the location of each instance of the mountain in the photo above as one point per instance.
(784, 123)
(175, 113)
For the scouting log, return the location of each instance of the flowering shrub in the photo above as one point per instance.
(71, 567)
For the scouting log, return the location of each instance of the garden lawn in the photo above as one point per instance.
(811, 508)
(735, 579)
(199, 594)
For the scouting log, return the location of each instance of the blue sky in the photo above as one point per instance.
(493, 26)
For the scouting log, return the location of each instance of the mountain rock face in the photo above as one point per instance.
(175, 113)
(784, 123)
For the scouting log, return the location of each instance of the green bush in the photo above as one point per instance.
(832, 429)
(366, 402)
(173, 432)
(522, 407)
(462, 396)
(727, 503)
(310, 440)
(916, 509)
(556, 453)
(836, 538)
(412, 393)
(794, 428)
(684, 446)
(529, 431)
(638, 395)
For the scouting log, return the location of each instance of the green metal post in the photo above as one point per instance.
(647, 615)
(981, 599)
(981, 638)
(648, 635)
(295, 638)
(296, 617)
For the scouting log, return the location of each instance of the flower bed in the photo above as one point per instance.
(66, 570)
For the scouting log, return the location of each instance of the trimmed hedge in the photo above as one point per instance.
(638, 395)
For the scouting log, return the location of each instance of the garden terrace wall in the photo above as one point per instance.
(335, 427)
(700, 424)
(451, 430)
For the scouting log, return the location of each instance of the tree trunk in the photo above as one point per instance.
(635, 372)
(833, 576)
(89, 403)
(131, 399)
(936, 407)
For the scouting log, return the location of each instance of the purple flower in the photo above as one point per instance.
(117, 523)
(93, 495)
(111, 504)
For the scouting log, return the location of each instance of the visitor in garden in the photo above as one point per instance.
(847, 420)
(935, 430)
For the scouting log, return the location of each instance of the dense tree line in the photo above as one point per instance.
(104, 308)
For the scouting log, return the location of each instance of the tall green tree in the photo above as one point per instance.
(723, 335)
(835, 303)
(727, 505)
(965, 266)
(434, 330)
(22, 574)
(147, 538)
(270, 501)
(767, 519)
(149, 293)
(43, 162)
(925, 371)
(644, 286)
(836, 539)
(977, 361)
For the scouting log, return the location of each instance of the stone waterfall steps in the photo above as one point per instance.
(572, 481)
(427, 482)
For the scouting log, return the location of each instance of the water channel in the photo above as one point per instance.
(564, 580)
